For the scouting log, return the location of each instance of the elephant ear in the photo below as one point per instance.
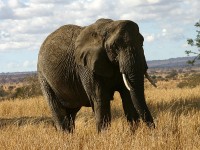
(90, 52)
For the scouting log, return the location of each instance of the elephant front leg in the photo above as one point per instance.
(101, 105)
(99, 97)
(102, 113)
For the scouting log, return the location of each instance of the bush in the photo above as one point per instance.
(172, 74)
(2, 92)
(160, 78)
(191, 81)
(153, 77)
(31, 88)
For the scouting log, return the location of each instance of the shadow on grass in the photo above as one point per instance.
(4, 122)
(177, 107)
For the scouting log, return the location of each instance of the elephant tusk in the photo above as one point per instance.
(150, 80)
(126, 82)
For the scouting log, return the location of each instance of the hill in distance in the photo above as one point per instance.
(172, 63)
(180, 62)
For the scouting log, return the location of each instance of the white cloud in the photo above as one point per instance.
(25, 23)
(185, 45)
(153, 1)
(21, 66)
(34, 10)
(130, 3)
(44, 16)
(15, 3)
(52, 1)
(164, 32)
(12, 65)
(4, 34)
(13, 46)
(28, 64)
(2, 4)
(150, 38)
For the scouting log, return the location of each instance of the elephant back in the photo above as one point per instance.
(58, 44)
(56, 52)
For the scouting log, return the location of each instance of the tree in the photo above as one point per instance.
(194, 43)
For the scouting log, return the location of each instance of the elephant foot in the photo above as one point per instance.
(151, 125)
(66, 124)
(133, 126)
(103, 126)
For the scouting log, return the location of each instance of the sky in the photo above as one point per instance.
(24, 24)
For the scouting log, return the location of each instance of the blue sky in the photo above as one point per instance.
(24, 24)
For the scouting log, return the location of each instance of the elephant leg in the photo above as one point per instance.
(64, 117)
(102, 113)
(100, 102)
(66, 121)
(142, 109)
(99, 97)
(129, 109)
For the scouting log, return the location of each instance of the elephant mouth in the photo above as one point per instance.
(127, 84)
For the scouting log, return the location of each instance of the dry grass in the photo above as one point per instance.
(27, 124)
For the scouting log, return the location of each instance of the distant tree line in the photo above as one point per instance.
(30, 88)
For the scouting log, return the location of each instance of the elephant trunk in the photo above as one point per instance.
(133, 77)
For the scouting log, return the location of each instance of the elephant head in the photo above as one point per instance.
(108, 43)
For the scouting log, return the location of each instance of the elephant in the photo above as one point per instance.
(84, 66)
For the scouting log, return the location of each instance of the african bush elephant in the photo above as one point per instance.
(84, 66)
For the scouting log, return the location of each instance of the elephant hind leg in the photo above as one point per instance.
(64, 117)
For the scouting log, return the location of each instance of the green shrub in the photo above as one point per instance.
(191, 81)
(172, 74)
(31, 88)
(2, 92)
(153, 77)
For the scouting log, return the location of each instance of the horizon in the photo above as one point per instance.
(165, 25)
(189, 57)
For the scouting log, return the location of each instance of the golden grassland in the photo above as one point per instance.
(26, 124)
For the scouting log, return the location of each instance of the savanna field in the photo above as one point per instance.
(25, 123)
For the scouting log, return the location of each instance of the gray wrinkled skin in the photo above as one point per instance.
(83, 66)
